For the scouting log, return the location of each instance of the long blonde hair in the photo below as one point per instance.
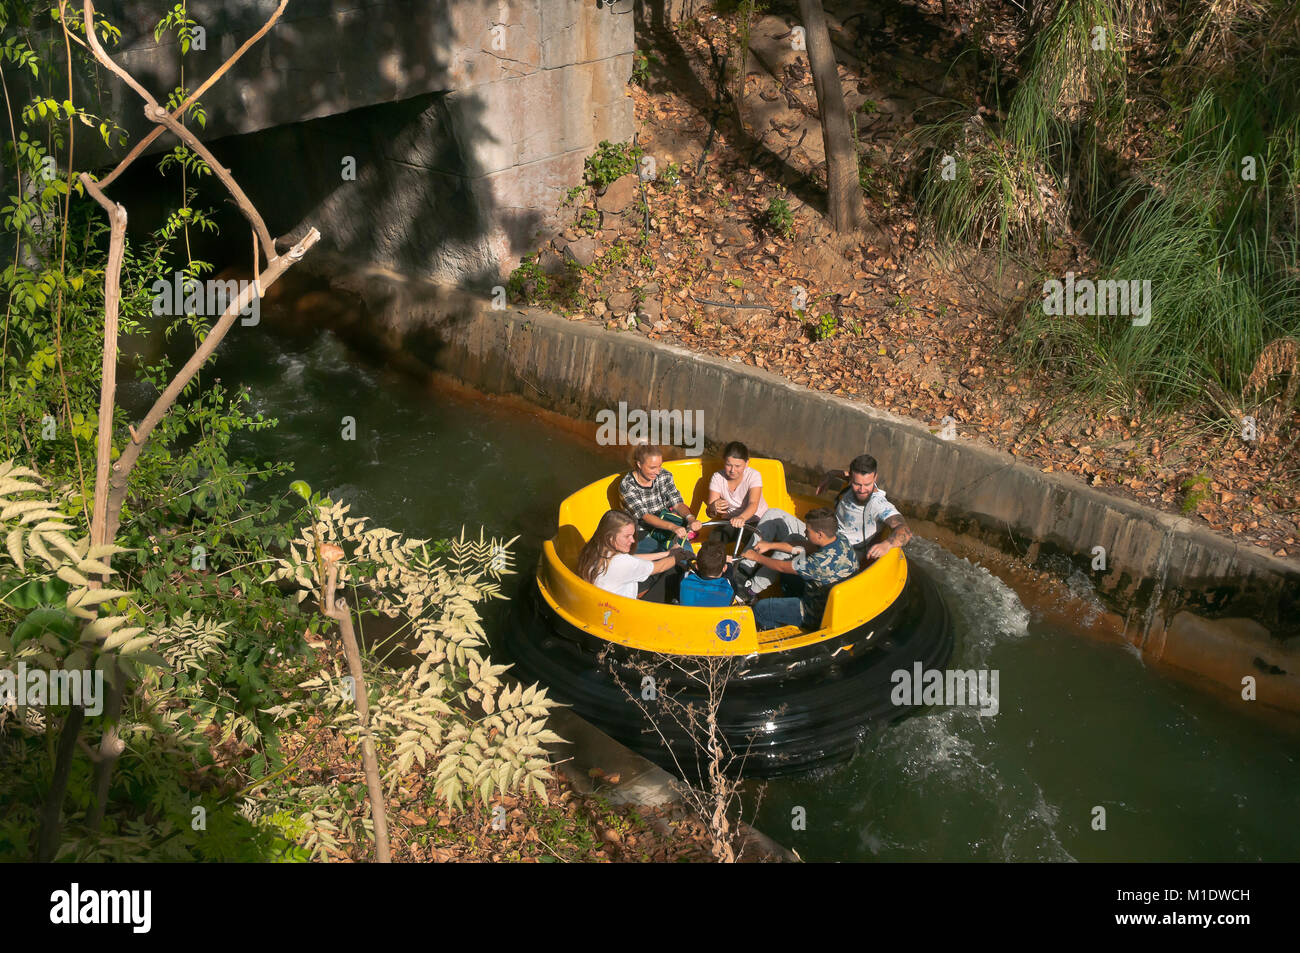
(599, 550)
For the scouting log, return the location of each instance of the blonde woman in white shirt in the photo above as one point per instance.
(607, 560)
(736, 495)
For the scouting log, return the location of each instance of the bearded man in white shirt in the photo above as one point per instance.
(863, 512)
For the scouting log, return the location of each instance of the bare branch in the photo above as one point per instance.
(110, 746)
(108, 380)
(330, 555)
(106, 60)
(699, 724)
(139, 148)
(159, 115)
(140, 436)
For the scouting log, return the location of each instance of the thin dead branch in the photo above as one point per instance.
(140, 147)
(157, 114)
(338, 610)
(698, 722)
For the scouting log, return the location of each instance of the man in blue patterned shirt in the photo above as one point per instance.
(834, 561)
(861, 509)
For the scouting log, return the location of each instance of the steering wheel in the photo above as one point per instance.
(750, 526)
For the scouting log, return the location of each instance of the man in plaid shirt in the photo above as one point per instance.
(648, 491)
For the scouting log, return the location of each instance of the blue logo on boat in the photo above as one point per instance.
(728, 630)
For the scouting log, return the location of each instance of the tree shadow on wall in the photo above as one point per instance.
(402, 183)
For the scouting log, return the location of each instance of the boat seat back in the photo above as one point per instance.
(772, 472)
(865, 594)
(568, 544)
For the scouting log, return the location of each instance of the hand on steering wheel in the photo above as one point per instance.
(738, 522)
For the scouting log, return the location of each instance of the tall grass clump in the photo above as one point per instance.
(1222, 262)
(980, 187)
(1009, 184)
(1076, 73)
(1207, 210)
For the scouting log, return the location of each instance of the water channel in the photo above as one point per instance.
(1081, 724)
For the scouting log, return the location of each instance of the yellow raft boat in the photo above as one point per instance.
(794, 699)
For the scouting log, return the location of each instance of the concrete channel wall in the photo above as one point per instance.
(1197, 600)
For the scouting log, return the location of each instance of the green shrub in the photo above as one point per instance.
(528, 283)
(641, 61)
(825, 327)
(611, 161)
(671, 175)
(778, 219)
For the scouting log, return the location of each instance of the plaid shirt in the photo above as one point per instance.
(639, 500)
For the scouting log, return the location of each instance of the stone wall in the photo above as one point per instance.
(465, 120)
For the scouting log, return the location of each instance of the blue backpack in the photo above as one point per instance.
(696, 591)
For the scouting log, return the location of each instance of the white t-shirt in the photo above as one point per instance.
(623, 573)
(739, 497)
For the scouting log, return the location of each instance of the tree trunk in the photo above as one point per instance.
(843, 193)
(339, 611)
(369, 759)
(47, 840)
(666, 14)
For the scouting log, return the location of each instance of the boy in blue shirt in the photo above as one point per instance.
(832, 561)
(706, 586)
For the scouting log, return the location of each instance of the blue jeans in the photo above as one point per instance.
(648, 544)
(772, 613)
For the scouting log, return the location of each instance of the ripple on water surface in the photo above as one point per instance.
(1079, 725)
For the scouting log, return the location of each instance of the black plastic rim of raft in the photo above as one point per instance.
(792, 711)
